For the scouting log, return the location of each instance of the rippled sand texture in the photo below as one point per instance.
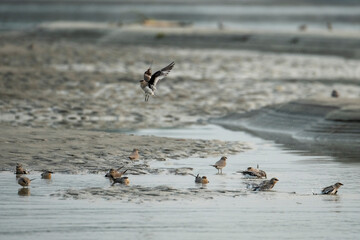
(68, 84)
(76, 151)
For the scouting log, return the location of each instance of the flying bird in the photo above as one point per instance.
(219, 165)
(332, 190)
(148, 84)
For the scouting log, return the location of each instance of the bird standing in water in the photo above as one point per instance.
(199, 179)
(254, 173)
(122, 180)
(20, 169)
(114, 173)
(332, 190)
(265, 185)
(24, 181)
(219, 165)
(46, 174)
(148, 84)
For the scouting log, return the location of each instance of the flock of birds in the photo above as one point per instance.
(116, 176)
(148, 85)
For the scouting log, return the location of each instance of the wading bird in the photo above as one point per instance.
(332, 190)
(24, 181)
(46, 174)
(219, 165)
(265, 185)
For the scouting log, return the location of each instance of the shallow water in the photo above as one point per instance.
(159, 205)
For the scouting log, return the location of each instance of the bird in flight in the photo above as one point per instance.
(148, 84)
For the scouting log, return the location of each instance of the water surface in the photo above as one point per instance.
(223, 209)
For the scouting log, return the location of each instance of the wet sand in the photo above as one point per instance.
(76, 151)
(90, 83)
(316, 124)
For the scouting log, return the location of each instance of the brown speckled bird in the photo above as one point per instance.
(134, 155)
(115, 173)
(24, 181)
(254, 173)
(122, 180)
(20, 169)
(265, 185)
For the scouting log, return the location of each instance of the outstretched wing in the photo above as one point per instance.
(156, 77)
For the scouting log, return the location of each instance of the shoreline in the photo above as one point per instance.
(316, 125)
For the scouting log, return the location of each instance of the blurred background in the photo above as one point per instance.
(292, 15)
(258, 24)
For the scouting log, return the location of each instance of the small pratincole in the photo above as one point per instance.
(20, 169)
(148, 84)
(199, 179)
(265, 185)
(219, 165)
(332, 190)
(134, 155)
(46, 174)
(115, 173)
(24, 181)
(122, 180)
(254, 173)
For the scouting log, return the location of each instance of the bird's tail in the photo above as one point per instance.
(32, 179)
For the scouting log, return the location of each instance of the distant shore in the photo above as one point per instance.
(336, 42)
